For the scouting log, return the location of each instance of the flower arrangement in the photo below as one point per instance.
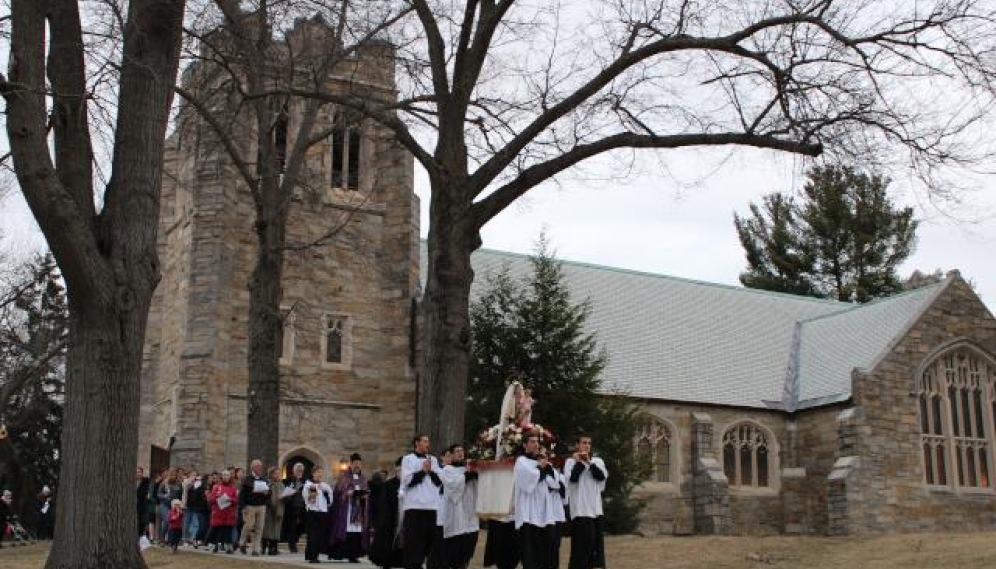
(511, 439)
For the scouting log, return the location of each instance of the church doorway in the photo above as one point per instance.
(291, 461)
(309, 458)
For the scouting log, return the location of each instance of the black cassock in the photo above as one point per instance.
(384, 550)
(501, 549)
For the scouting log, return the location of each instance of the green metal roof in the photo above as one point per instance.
(677, 339)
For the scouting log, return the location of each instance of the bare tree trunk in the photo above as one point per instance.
(108, 258)
(265, 327)
(447, 339)
(99, 446)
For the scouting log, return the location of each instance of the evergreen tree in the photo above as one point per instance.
(843, 239)
(776, 255)
(534, 330)
(33, 334)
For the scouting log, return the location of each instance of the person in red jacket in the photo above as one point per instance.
(175, 523)
(224, 501)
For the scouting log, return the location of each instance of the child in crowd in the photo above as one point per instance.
(175, 521)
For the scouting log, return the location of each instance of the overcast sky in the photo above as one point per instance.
(676, 218)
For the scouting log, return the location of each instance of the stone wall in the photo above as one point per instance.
(362, 263)
(795, 502)
(886, 481)
(815, 451)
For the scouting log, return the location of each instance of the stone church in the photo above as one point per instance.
(765, 413)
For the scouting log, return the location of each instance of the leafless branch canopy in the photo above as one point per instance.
(502, 95)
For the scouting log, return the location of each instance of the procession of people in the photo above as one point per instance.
(427, 513)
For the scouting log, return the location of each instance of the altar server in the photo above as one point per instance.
(317, 496)
(586, 475)
(501, 549)
(556, 502)
(534, 481)
(437, 558)
(460, 525)
(421, 484)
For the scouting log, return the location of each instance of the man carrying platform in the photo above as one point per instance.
(534, 480)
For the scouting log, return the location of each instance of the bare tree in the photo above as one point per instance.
(503, 96)
(106, 254)
(245, 65)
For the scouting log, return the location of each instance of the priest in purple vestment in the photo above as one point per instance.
(350, 513)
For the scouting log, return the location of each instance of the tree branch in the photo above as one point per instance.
(485, 209)
(68, 229)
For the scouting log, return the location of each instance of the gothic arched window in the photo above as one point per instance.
(656, 440)
(955, 396)
(747, 456)
(345, 139)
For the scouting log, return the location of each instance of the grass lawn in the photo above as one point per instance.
(949, 551)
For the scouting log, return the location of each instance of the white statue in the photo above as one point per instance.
(510, 413)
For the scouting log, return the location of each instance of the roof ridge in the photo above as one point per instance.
(940, 288)
(733, 288)
(851, 307)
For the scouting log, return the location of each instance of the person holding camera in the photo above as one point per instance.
(586, 475)
(196, 509)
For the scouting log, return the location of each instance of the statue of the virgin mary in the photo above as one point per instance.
(509, 413)
(516, 408)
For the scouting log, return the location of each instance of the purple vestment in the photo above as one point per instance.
(351, 490)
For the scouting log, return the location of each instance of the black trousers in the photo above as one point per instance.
(318, 534)
(537, 545)
(437, 553)
(291, 525)
(419, 530)
(460, 550)
(220, 535)
(583, 545)
(501, 549)
(350, 549)
(556, 535)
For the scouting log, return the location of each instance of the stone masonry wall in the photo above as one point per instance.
(364, 266)
(794, 503)
(889, 469)
(805, 505)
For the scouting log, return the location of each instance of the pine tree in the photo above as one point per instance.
(534, 331)
(776, 255)
(33, 334)
(843, 238)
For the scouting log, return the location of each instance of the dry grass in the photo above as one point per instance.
(951, 551)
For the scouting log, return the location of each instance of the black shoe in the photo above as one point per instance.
(353, 560)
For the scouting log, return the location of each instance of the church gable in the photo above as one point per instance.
(955, 315)
(924, 417)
